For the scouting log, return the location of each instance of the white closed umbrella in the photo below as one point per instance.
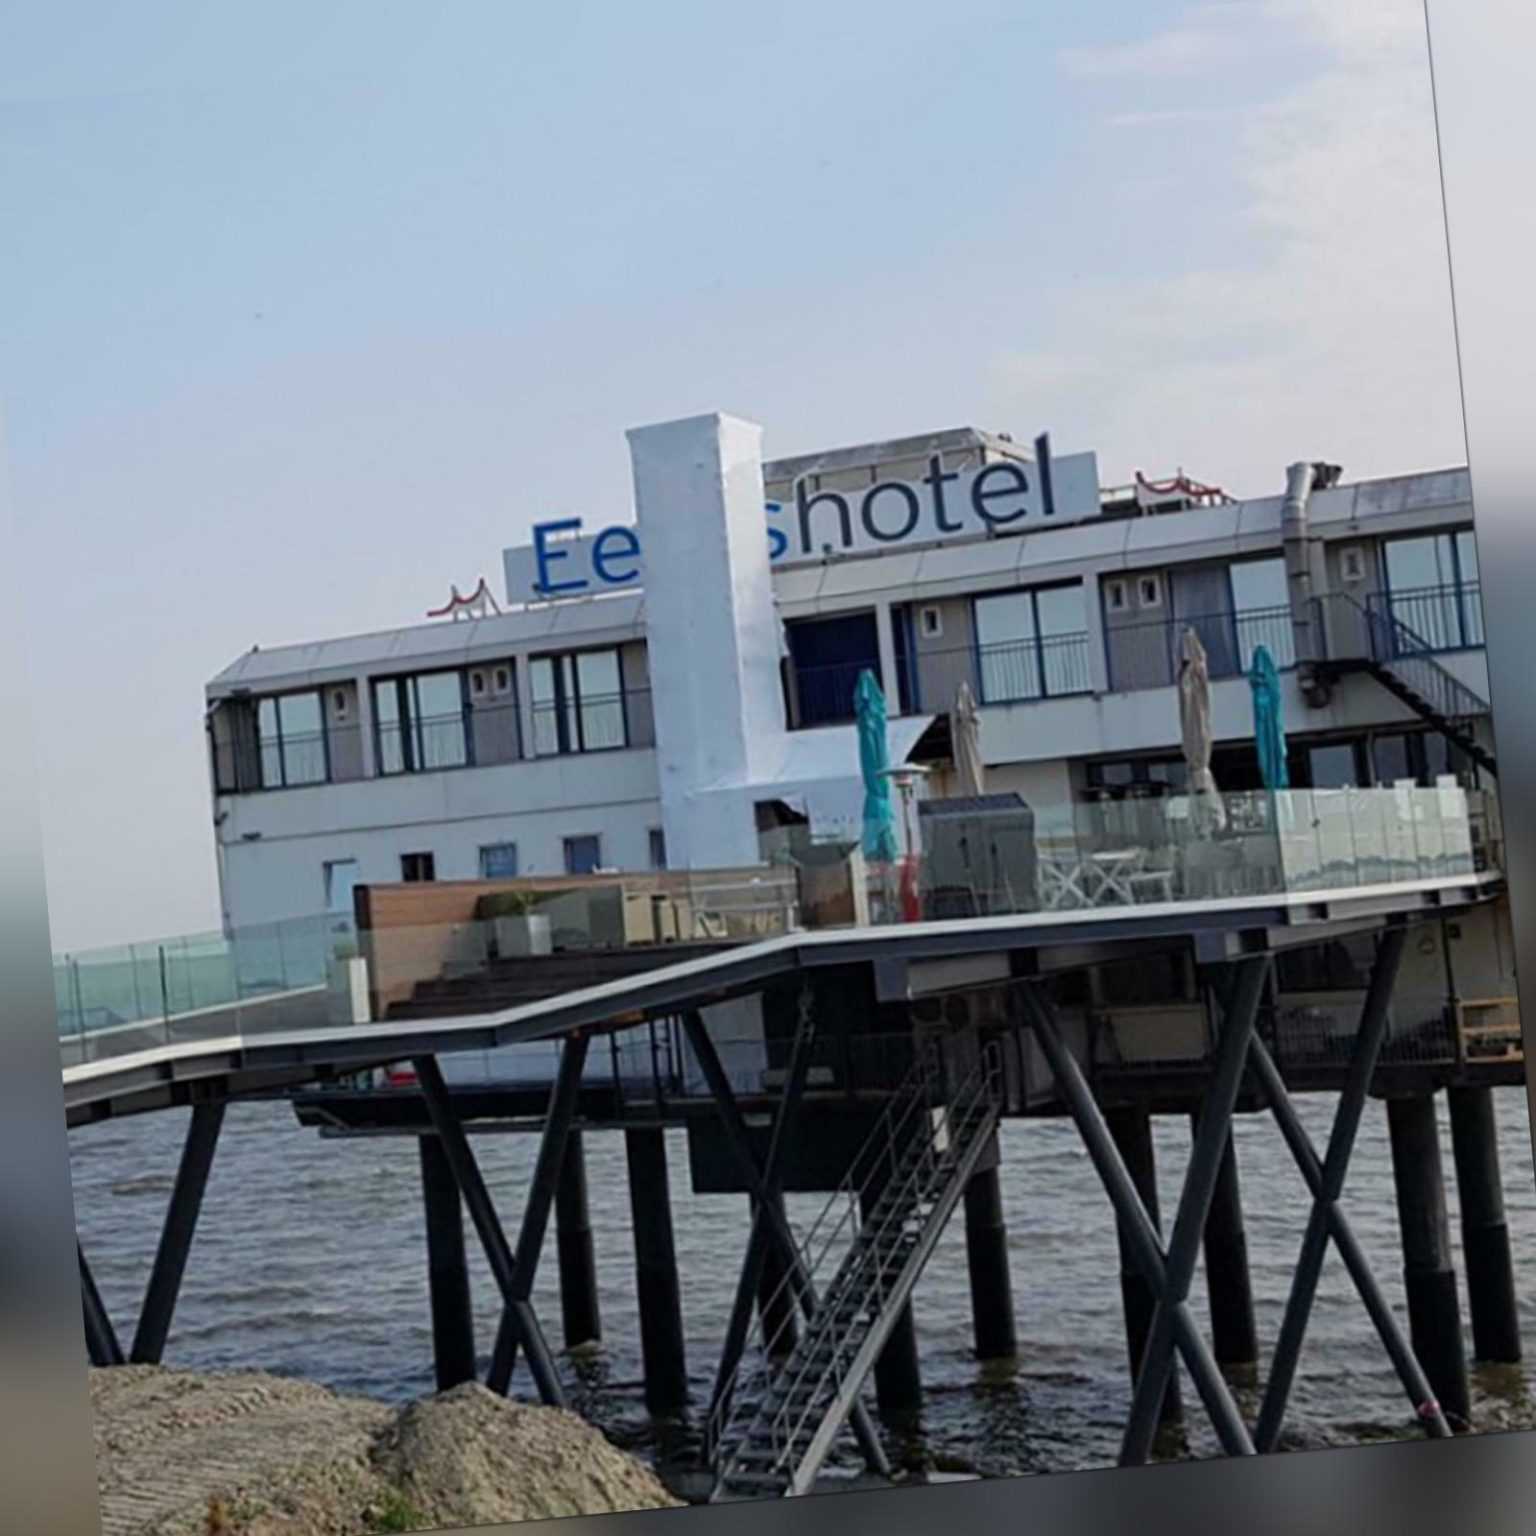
(1207, 813)
(965, 733)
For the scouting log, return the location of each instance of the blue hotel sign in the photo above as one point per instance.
(565, 562)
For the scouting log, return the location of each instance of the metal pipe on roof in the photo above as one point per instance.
(1297, 542)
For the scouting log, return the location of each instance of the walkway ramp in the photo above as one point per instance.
(885, 1220)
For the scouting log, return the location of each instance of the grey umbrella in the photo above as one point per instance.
(1207, 813)
(965, 733)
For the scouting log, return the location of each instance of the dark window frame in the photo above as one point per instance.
(319, 694)
(429, 858)
(1036, 642)
(568, 843)
(408, 722)
(567, 709)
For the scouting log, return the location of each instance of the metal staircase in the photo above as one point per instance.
(1403, 663)
(909, 1176)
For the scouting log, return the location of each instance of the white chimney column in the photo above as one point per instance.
(711, 630)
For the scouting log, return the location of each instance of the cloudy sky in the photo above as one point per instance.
(308, 310)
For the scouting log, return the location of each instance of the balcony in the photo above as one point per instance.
(1145, 654)
(1009, 672)
(246, 765)
(1432, 619)
(477, 736)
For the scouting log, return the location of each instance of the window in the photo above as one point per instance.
(340, 882)
(1032, 644)
(582, 855)
(339, 706)
(1261, 607)
(658, 848)
(1144, 775)
(498, 861)
(291, 740)
(417, 867)
(503, 682)
(1419, 756)
(477, 683)
(1149, 591)
(420, 722)
(931, 623)
(578, 703)
(1116, 596)
(1335, 766)
(1352, 565)
(1433, 593)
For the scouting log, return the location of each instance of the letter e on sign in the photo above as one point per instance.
(1013, 487)
(611, 548)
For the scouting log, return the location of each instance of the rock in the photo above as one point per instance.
(245, 1454)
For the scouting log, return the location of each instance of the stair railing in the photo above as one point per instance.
(916, 1177)
(1402, 650)
(833, 1229)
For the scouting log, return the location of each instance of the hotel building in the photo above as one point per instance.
(658, 693)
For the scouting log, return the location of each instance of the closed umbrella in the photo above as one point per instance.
(1268, 723)
(874, 758)
(1206, 811)
(965, 731)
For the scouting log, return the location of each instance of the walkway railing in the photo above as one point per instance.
(455, 948)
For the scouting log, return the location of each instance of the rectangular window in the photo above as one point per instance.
(583, 855)
(1032, 643)
(578, 703)
(498, 861)
(1261, 608)
(421, 722)
(658, 848)
(1335, 766)
(340, 882)
(417, 867)
(1433, 593)
(290, 734)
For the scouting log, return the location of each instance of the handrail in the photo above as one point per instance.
(912, 1093)
(911, 1174)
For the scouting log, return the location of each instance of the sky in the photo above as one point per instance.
(308, 310)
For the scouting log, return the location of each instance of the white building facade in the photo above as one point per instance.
(656, 694)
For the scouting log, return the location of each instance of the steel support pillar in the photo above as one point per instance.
(775, 1290)
(898, 1370)
(579, 1311)
(986, 1247)
(482, 1212)
(1484, 1230)
(661, 1309)
(1153, 1261)
(100, 1337)
(1404, 1361)
(769, 1224)
(1429, 1275)
(176, 1235)
(1229, 1286)
(1325, 1179)
(453, 1320)
(1132, 1131)
(563, 1098)
(1189, 1223)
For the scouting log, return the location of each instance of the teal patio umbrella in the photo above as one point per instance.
(874, 758)
(1268, 725)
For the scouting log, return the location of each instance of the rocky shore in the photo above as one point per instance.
(180, 1453)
